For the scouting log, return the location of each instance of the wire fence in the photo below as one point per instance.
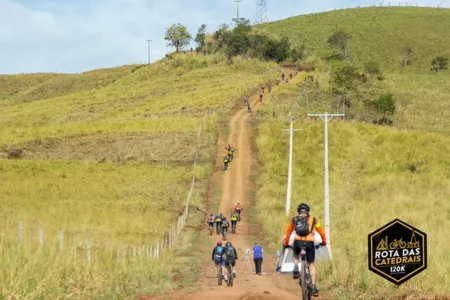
(70, 245)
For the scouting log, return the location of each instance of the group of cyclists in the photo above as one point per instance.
(229, 157)
(221, 224)
(301, 227)
(284, 77)
(224, 255)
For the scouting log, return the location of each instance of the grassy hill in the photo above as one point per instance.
(64, 84)
(372, 182)
(377, 33)
(377, 173)
(107, 156)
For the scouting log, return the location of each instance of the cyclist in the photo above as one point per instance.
(226, 160)
(231, 257)
(238, 209)
(211, 221)
(218, 220)
(225, 226)
(249, 108)
(278, 81)
(290, 76)
(283, 75)
(304, 225)
(261, 97)
(245, 100)
(262, 88)
(230, 153)
(218, 257)
(270, 88)
(234, 220)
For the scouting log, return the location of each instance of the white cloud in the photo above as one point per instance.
(79, 35)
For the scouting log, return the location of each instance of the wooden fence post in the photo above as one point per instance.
(61, 240)
(20, 233)
(41, 237)
(75, 246)
(88, 252)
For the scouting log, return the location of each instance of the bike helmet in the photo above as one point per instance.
(303, 208)
(219, 243)
(228, 244)
(224, 219)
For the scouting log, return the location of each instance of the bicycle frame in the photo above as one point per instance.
(305, 279)
(224, 234)
(230, 274)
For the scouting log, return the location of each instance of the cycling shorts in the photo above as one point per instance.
(310, 250)
(231, 262)
(218, 260)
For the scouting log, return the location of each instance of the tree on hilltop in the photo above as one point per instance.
(339, 39)
(200, 37)
(177, 36)
(439, 63)
(407, 53)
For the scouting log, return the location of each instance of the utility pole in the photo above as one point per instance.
(237, 7)
(325, 118)
(289, 182)
(261, 11)
(148, 41)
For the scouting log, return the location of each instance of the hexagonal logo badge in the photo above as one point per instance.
(397, 251)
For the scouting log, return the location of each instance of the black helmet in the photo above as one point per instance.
(303, 208)
(228, 244)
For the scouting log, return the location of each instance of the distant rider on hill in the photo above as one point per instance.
(218, 223)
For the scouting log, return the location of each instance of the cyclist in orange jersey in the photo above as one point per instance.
(304, 225)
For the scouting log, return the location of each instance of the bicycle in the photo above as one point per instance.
(211, 228)
(218, 228)
(224, 234)
(219, 275)
(230, 274)
(238, 215)
(233, 227)
(304, 280)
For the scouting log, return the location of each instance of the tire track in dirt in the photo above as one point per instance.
(234, 185)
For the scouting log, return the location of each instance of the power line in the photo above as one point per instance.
(261, 11)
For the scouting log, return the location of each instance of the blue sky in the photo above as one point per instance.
(80, 35)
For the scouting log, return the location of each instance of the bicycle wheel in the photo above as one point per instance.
(303, 278)
(219, 276)
(230, 275)
(308, 284)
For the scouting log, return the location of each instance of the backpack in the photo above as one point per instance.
(211, 219)
(230, 253)
(219, 250)
(301, 225)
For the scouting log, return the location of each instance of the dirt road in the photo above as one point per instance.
(234, 186)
